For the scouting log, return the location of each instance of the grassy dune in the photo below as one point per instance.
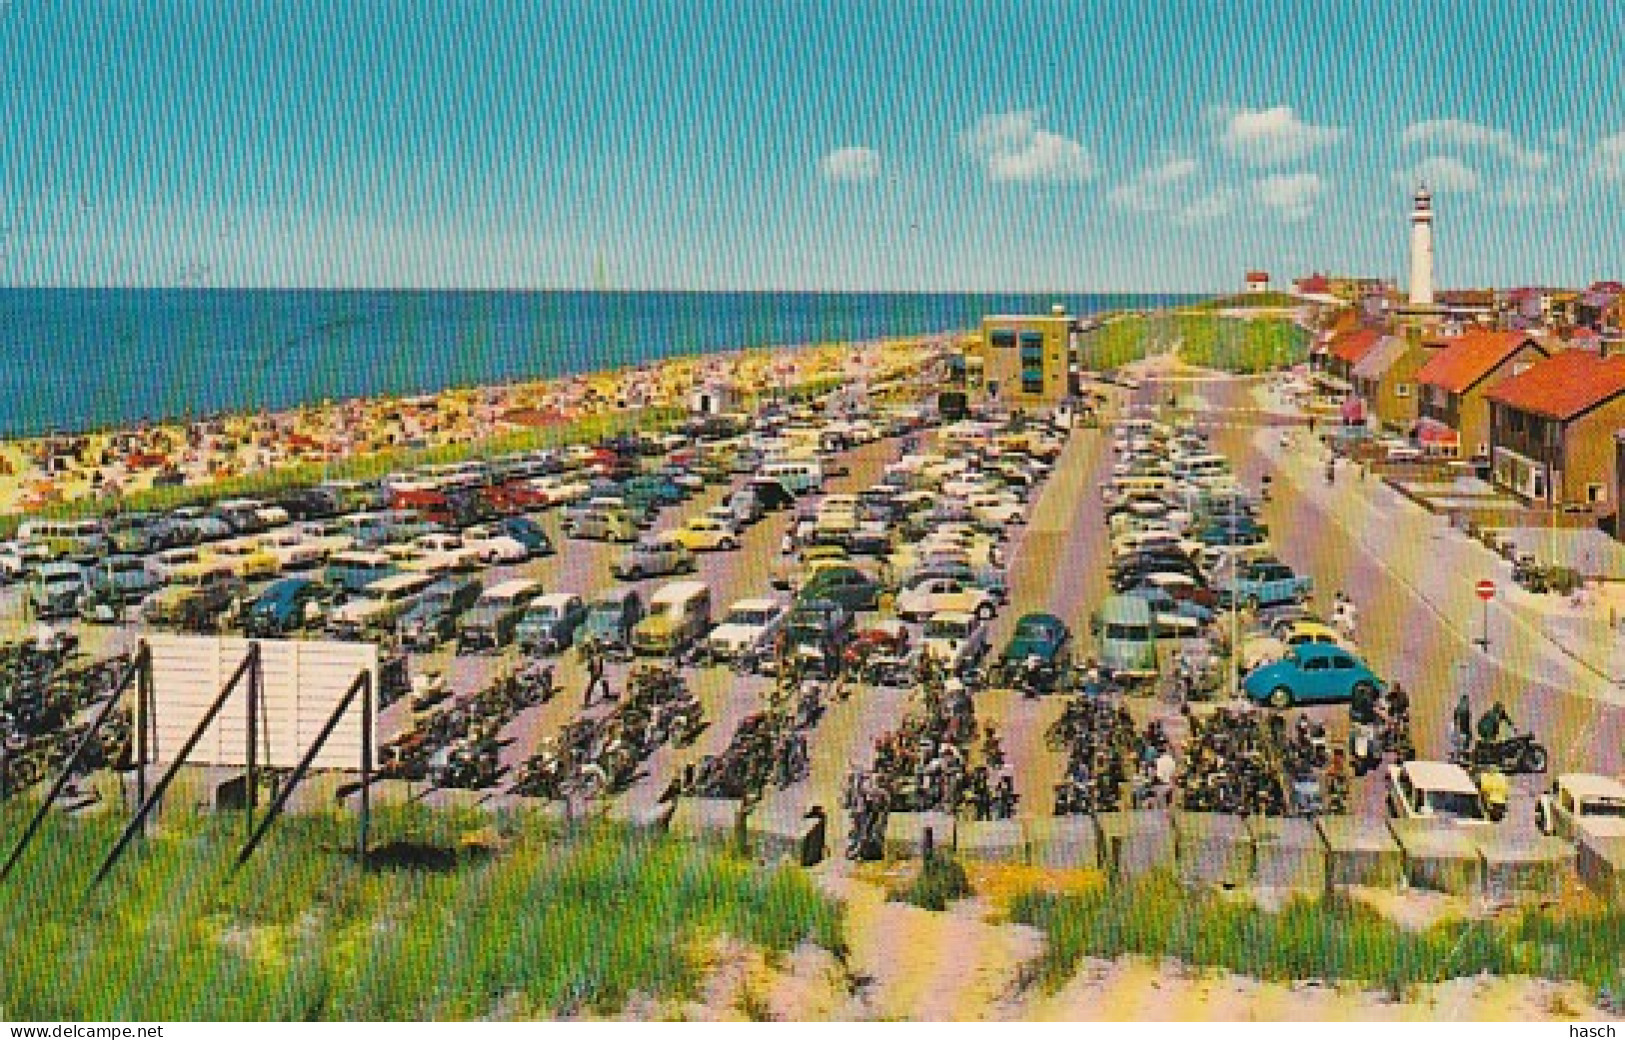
(1315, 939)
(1240, 345)
(549, 924)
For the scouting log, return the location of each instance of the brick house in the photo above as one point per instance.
(1552, 430)
(1451, 406)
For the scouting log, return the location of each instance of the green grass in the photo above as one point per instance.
(1117, 342)
(1314, 939)
(941, 880)
(1238, 344)
(1272, 298)
(551, 924)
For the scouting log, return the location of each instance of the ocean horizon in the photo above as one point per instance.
(82, 359)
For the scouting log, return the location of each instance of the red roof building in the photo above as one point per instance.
(1552, 430)
(1452, 384)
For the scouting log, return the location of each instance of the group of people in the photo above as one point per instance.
(1103, 749)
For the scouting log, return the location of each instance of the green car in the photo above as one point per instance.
(848, 586)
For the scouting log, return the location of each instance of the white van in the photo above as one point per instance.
(798, 477)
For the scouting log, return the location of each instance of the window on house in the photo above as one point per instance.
(1402, 389)
(1032, 382)
(1596, 493)
(1003, 338)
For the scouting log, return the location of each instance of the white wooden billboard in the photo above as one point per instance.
(302, 682)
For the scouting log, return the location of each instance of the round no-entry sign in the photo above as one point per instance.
(1485, 589)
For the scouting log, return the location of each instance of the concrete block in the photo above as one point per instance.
(991, 841)
(1213, 848)
(905, 833)
(1136, 841)
(1526, 864)
(1360, 852)
(1439, 856)
(1071, 842)
(1288, 852)
(1600, 862)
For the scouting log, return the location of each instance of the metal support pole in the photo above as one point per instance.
(251, 733)
(138, 667)
(250, 660)
(366, 767)
(143, 724)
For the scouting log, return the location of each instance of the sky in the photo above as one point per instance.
(778, 144)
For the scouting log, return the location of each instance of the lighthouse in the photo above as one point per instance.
(1422, 249)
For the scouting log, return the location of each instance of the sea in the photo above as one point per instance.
(82, 359)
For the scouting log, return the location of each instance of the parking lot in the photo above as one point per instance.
(991, 523)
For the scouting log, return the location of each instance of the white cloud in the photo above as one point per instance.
(1273, 135)
(1609, 160)
(1164, 187)
(1014, 148)
(1530, 191)
(1211, 206)
(851, 164)
(1463, 134)
(1441, 174)
(1292, 195)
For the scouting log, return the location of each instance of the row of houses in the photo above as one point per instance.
(1546, 416)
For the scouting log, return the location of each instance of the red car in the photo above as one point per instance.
(886, 640)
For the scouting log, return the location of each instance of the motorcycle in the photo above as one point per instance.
(1519, 754)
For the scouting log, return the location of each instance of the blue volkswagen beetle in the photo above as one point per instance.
(1310, 673)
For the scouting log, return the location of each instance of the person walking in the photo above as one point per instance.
(595, 674)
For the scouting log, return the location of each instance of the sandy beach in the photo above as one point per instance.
(108, 465)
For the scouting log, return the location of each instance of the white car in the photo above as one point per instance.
(16, 558)
(558, 491)
(450, 551)
(724, 515)
(292, 549)
(956, 639)
(749, 627)
(493, 547)
(1582, 803)
(995, 508)
(945, 595)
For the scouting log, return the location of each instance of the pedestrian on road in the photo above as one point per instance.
(595, 673)
(1462, 724)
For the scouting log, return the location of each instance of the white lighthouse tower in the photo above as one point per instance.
(1422, 250)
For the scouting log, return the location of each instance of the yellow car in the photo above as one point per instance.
(704, 534)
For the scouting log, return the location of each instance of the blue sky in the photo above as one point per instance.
(886, 145)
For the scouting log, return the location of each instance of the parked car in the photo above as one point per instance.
(1264, 584)
(1310, 673)
(1582, 804)
(945, 595)
(846, 585)
(654, 557)
(197, 595)
(550, 623)
(1419, 790)
(433, 618)
(287, 605)
(377, 608)
(748, 630)
(611, 617)
(705, 534)
(1040, 641)
(494, 618)
(56, 590)
(815, 632)
(122, 578)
